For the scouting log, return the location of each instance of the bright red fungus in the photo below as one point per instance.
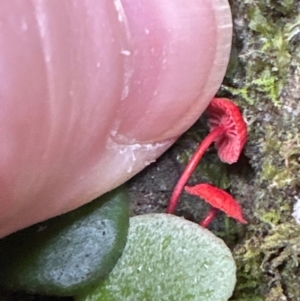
(219, 199)
(225, 114)
(229, 132)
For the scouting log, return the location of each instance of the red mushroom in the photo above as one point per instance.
(229, 132)
(218, 199)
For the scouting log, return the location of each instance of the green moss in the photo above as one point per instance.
(266, 85)
(272, 252)
(242, 92)
(270, 86)
(280, 166)
(268, 53)
(248, 258)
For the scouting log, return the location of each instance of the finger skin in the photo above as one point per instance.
(176, 65)
(93, 91)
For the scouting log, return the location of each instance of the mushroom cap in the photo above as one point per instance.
(223, 112)
(219, 199)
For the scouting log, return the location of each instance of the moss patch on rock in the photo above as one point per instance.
(266, 85)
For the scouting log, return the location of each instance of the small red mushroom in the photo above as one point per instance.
(229, 132)
(218, 199)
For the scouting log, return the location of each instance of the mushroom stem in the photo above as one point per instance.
(208, 140)
(209, 217)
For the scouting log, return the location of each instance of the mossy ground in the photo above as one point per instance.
(265, 82)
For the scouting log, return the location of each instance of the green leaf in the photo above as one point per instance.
(67, 254)
(168, 258)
